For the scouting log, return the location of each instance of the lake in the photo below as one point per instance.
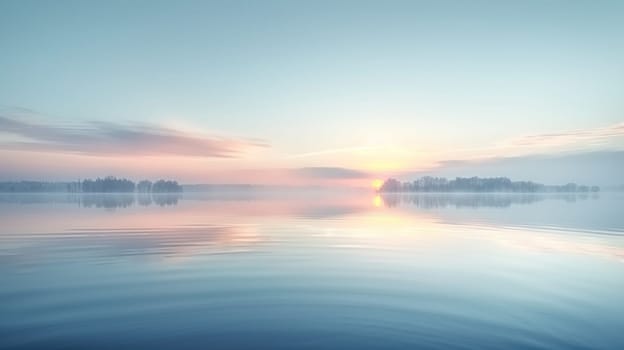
(312, 270)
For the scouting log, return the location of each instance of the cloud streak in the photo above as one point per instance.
(110, 139)
(331, 173)
(595, 135)
(332, 151)
(604, 138)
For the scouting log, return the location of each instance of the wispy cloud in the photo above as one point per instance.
(111, 139)
(604, 138)
(331, 173)
(331, 151)
(594, 136)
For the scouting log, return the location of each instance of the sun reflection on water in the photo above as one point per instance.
(378, 201)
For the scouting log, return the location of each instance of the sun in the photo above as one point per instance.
(377, 183)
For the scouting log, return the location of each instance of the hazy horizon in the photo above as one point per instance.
(592, 168)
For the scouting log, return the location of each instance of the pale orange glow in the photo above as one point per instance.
(377, 183)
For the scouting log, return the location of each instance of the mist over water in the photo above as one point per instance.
(341, 271)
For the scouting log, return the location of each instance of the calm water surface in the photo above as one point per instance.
(318, 271)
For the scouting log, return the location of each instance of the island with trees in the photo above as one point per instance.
(109, 184)
(478, 184)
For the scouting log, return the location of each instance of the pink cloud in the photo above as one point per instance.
(110, 139)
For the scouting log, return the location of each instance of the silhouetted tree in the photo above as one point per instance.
(144, 186)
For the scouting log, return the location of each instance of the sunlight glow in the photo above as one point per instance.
(377, 183)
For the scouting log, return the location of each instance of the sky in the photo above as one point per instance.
(310, 92)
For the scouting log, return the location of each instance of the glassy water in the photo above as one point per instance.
(318, 271)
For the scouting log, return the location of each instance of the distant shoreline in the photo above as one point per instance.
(362, 191)
(475, 184)
(424, 185)
(109, 184)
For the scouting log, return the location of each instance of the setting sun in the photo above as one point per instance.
(377, 183)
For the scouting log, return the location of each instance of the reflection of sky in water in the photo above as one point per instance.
(350, 271)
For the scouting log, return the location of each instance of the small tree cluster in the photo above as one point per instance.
(166, 186)
(109, 184)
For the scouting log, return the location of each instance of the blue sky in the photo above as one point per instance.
(375, 86)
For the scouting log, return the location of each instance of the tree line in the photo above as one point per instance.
(477, 184)
(109, 184)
